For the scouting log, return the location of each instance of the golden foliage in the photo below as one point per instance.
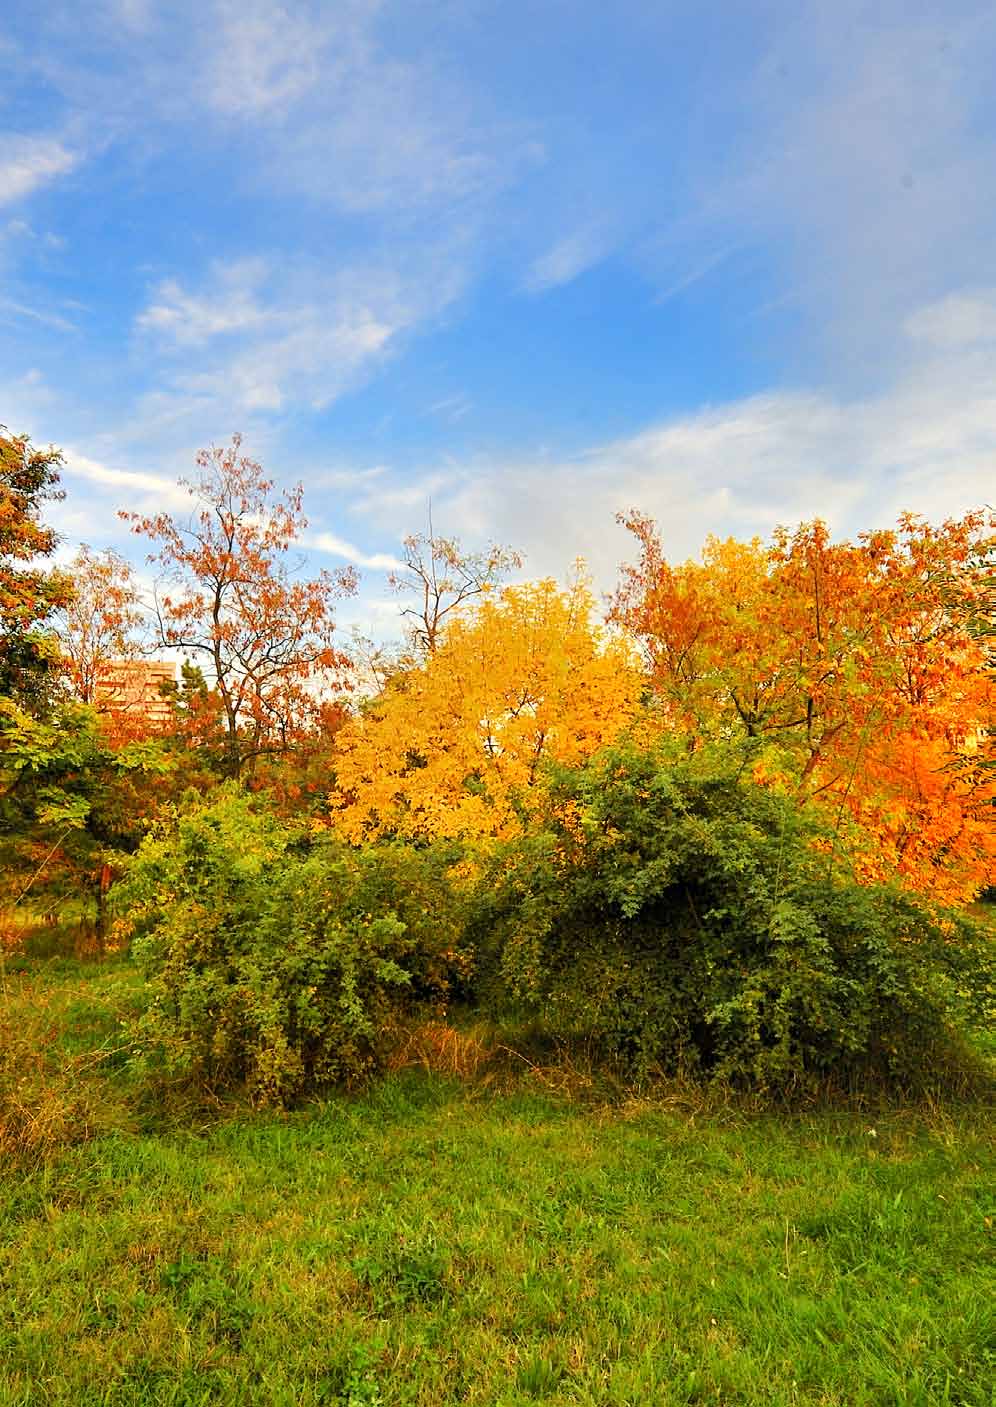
(454, 747)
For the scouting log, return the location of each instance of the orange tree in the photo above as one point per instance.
(455, 747)
(855, 672)
(29, 595)
(100, 622)
(230, 600)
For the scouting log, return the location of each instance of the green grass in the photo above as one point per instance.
(436, 1242)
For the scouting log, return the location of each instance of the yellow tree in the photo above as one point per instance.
(454, 747)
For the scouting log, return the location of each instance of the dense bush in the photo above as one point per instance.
(676, 914)
(686, 918)
(276, 958)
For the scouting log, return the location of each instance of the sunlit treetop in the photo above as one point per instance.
(456, 745)
(232, 598)
(29, 594)
(863, 665)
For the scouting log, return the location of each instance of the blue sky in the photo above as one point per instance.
(730, 263)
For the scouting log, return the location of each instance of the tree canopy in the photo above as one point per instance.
(857, 672)
(455, 745)
(29, 594)
(230, 598)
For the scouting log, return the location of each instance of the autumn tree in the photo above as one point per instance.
(29, 594)
(441, 577)
(376, 662)
(858, 663)
(101, 621)
(231, 599)
(455, 746)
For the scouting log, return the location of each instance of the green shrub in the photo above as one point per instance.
(276, 959)
(685, 918)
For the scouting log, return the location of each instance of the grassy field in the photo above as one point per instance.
(434, 1241)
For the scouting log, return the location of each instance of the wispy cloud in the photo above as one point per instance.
(125, 482)
(24, 399)
(843, 155)
(452, 408)
(865, 169)
(339, 547)
(28, 162)
(347, 181)
(230, 305)
(260, 337)
(265, 56)
(96, 490)
(136, 16)
(403, 504)
(350, 479)
(12, 311)
(958, 320)
(926, 443)
(695, 272)
(567, 259)
(316, 99)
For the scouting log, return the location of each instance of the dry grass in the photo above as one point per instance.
(45, 1104)
(501, 1058)
(440, 1049)
(55, 1089)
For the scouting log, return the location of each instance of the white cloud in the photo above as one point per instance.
(345, 478)
(956, 321)
(322, 99)
(452, 408)
(695, 273)
(29, 162)
(230, 306)
(95, 491)
(864, 173)
(403, 503)
(26, 401)
(312, 361)
(341, 117)
(135, 15)
(842, 154)
(165, 492)
(266, 56)
(373, 617)
(927, 444)
(260, 337)
(855, 164)
(338, 547)
(14, 310)
(568, 258)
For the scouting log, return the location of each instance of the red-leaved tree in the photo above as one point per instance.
(232, 600)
